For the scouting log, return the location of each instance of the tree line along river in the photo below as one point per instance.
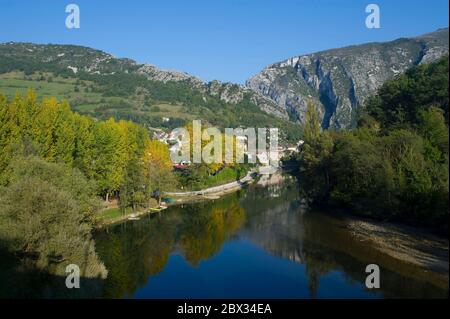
(259, 242)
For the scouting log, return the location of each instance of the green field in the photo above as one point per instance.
(82, 99)
(113, 213)
(146, 103)
(45, 84)
(110, 213)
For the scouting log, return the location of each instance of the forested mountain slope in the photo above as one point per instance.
(98, 84)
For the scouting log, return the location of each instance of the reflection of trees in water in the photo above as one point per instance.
(324, 244)
(330, 245)
(134, 251)
(274, 223)
(204, 231)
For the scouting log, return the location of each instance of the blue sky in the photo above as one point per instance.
(229, 40)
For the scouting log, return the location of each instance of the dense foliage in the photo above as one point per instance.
(53, 165)
(116, 89)
(394, 165)
(46, 213)
(109, 152)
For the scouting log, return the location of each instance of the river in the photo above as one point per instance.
(259, 242)
(256, 243)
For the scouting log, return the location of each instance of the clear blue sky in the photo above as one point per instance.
(229, 40)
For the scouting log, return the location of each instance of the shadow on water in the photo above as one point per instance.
(19, 279)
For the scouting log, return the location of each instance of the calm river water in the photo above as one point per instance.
(257, 243)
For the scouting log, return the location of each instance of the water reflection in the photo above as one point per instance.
(331, 262)
(135, 251)
(259, 242)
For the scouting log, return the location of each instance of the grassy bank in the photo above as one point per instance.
(196, 178)
(115, 215)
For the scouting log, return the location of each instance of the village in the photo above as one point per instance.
(266, 158)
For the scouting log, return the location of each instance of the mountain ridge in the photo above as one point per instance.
(96, 83)
(340, 79)
(102, 62)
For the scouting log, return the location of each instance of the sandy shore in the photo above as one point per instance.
(409, 244)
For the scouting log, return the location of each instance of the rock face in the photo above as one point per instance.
(228, 92)
(339, 80)
(235, 93)
(156, 74)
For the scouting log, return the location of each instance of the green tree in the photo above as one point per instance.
(312, 127)
(158, 168)
(46, 216)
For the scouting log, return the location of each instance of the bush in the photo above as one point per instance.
(46, 217)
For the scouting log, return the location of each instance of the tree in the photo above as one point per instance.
(432, 126)
(312, 127)
(399, 101)
(46, 217)
(314, 158)
(105, 151)
(110, 157)
(133, 190)
(158, 168)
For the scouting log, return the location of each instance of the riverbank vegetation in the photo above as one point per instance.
(201, 176)
(117, 155)
(394, 165)
(46, 216)
(59, 170)
(55, 166)
(198, 176)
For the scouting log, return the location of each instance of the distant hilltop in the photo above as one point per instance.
(339, 80)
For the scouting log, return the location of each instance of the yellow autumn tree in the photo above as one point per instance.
(213, 167)
(158, 168)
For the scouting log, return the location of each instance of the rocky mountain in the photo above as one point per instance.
(339, 80)
(99, 84)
